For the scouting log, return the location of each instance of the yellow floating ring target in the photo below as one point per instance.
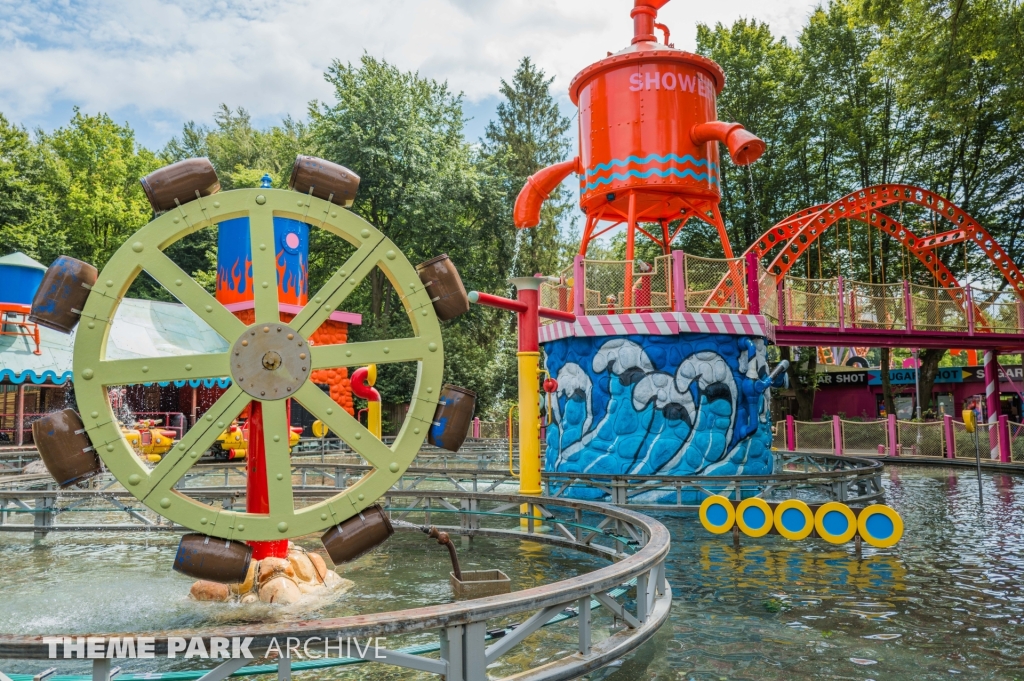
(717, 514)
(835, 522)
(880, 526)
(794, 520)
(754, 516)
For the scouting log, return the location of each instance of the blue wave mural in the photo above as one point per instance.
(696, 404)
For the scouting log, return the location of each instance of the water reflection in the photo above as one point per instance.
(948, 600)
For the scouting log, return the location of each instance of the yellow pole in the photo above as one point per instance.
(529, 436)
(529, 424)
(373, 423)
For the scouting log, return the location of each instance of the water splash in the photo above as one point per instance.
(753, 195)
(502, 358)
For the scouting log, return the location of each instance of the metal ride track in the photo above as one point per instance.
(637, 545)
(814, 477)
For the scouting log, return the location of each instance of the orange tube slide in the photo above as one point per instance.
(538, 188)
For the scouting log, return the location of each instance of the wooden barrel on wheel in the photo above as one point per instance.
(444, 285)
(178, 183)
(64, 448)
(213, 559)
(452, 417)
(357, 535)
(328, 181)
(61, 296)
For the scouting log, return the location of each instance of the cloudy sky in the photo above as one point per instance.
(157, 63)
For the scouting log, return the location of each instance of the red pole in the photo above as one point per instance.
(627, 288)
(257, 497)
(529, 321)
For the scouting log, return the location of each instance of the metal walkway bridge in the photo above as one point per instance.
(697, 293)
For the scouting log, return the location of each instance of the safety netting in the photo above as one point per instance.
(864, 437)
(814, 436)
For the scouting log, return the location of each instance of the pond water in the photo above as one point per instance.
(947, 602)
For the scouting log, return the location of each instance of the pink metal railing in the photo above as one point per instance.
(680, 282)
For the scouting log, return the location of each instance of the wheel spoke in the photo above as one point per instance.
(332, 294)
(192, 295)
(369, 352)
(344, 426)
(278, 460)
(264, 265)
(160, 369)
(196, 441)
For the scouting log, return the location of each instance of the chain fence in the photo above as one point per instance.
(768, 293)
(494, 430)
(864, 437)
(922, 439)
(779, 436)
(715, 284)
(1000, 311)
(811, 302)
(963, 442)
(874, 306)
(814, 436)
(605, 286)
(1016, 441)
(939, 309)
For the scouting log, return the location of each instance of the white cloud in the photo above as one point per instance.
(167, 62)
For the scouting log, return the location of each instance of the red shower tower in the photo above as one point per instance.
(649, 135)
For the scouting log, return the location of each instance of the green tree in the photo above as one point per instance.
(21, 203)
(530, 133)
(420, 186)
(240, 152)
(761, 72)
(90, 175)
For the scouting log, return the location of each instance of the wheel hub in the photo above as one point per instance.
(270, 361)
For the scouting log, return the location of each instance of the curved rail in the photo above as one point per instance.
(814, 477)
(461, 627)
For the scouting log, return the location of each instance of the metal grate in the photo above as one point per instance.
(814, 436)
(1016, 441)
(939, 309)
(779, 436)
(605, 282)
(811, 302)
(963, 442)
(874, 306)
(715, 284)
(922, 439)
(768, 293)
(1000, 311)
(864, 437)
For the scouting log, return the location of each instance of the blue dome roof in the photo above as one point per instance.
(21, 276)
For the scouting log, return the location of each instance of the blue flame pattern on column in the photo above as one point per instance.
(694, 404)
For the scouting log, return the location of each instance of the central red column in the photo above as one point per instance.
(257, 497)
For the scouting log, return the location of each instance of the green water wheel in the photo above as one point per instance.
(268, 362)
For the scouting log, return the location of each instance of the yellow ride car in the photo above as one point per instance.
(233, 442)
(148, 441)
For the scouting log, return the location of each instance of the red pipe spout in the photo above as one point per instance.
(537, 189)
(645, 16)
(744, 146)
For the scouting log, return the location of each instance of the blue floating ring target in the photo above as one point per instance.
(754, 517)
(717, 514)
(794, 519)
(835, 522)
(880, 526)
